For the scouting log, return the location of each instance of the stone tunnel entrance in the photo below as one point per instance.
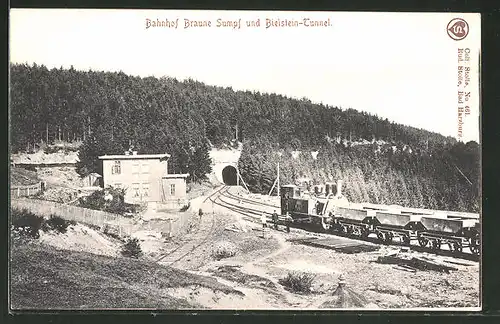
(230, 175)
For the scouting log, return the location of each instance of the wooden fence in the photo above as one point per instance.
(113, 223)
(172, 204)
(25, 191)
(170, 227)
(179, 224)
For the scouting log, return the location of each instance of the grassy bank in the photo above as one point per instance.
(43, 277)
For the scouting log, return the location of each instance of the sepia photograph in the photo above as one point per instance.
(244, 160)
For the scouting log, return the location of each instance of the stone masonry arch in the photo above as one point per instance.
(226, 173)
(230, 175)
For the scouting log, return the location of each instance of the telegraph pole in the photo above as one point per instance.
(278, 179)
(276, 182)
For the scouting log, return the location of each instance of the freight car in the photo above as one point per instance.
(327, 209)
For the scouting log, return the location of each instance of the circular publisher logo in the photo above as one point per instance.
(457, 29)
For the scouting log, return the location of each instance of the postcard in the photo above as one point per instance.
(244, 160)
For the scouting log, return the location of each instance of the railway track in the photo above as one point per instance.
(200, 237)
(230, 195)
(254, 214)
(221, 197)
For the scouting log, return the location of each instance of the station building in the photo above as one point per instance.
(145, 178)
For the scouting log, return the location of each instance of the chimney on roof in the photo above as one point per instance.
(339, 187)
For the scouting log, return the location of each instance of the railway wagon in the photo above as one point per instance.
(356, 221)
(456, 233)
(390, 225)
(428, 227)
(453, 215)
(431, 230)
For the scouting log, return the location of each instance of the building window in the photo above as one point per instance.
(116, 168)
(135, 189)
(135, 168)
(172, 190)
(118, 185)
(145, 168)
(145, 189)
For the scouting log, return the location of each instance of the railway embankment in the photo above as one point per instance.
(275, 255)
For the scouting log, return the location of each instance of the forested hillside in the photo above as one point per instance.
(445, 177)
(109, 112)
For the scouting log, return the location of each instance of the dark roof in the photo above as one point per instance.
(134, 156)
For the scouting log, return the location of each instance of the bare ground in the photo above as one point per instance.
(252, 276)
(260, 263)
(82, 238)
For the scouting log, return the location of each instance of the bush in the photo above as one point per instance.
(93, 201)
(116, 205)
(52, 149)
(38, 195)
(26, 223)
(112, 232)
(185, 207)
(298, 282)
(93, 226)
(57, 223)
(223, 250)
(132, 248)
(31, 168)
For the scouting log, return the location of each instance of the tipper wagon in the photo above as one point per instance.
(331, 211)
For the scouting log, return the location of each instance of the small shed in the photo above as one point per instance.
(91, 180)
(173, 189)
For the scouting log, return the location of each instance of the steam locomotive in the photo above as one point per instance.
(324, 207)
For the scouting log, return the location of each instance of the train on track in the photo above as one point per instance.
(326, 208)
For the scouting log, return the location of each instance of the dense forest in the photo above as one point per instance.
(111, 111)
(445, 177)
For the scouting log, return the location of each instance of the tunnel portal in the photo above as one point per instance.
(230, 175)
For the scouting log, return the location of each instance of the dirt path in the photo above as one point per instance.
(253, 267)
(274, 297)
(258, 278)
(260, 263)
(256, 295)
(284, 246)
(194, 240)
